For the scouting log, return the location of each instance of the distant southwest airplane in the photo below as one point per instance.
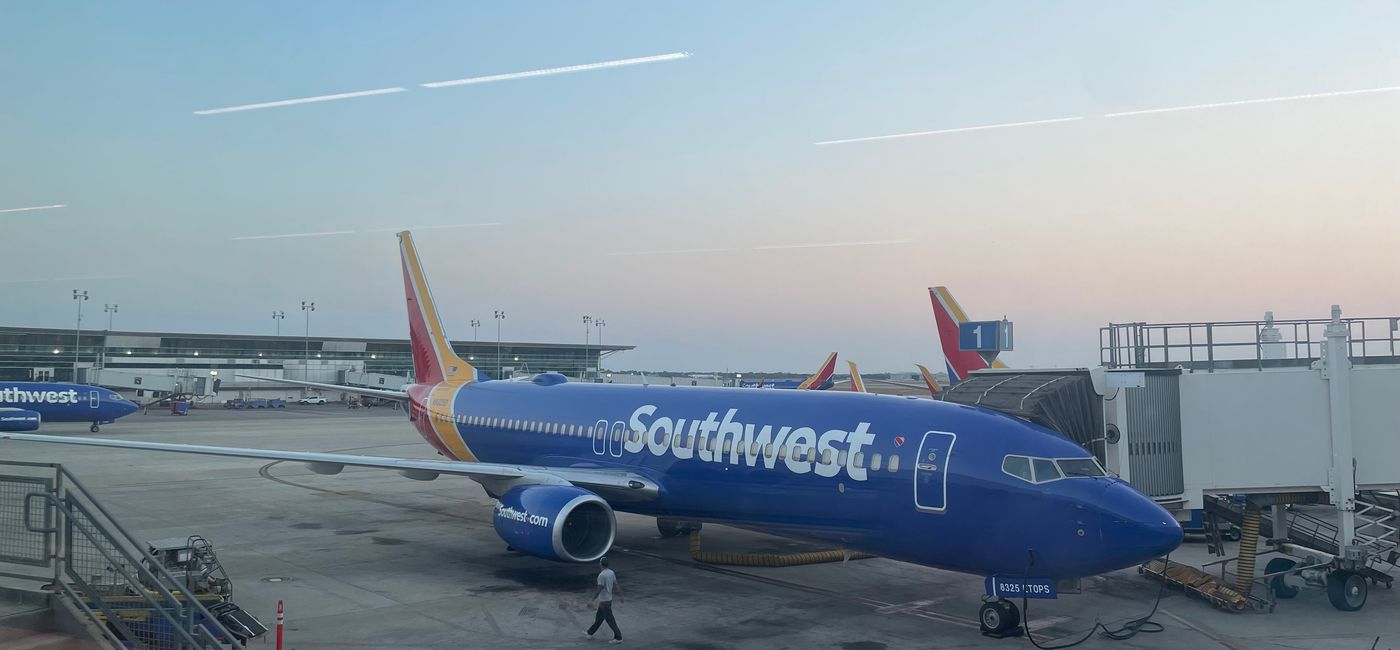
(819, 380)
(24, 405)
(947, 315)
(922, 481)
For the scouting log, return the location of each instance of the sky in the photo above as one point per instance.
(688, 202)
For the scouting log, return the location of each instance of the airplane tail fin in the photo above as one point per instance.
(819, 379)
(857, 384)
(947, 315)
(433, 358)
(929, 380)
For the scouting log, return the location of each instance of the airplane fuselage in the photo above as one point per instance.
(59, 402)
(911, 479)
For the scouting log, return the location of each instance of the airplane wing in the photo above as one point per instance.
(372, 392)
(611, 484)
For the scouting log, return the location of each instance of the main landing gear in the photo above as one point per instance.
(1000, 618)
(94, 428)
(675, 527)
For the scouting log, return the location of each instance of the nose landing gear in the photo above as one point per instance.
(94, 428)
(1000, 618)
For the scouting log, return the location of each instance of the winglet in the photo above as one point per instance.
(819, 379)
(433, 359)
(929, 380)
(857, 384)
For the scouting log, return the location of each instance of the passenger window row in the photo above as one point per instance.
(680, 441)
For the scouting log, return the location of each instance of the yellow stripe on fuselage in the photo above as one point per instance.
(440, 402)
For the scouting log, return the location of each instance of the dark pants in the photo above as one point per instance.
(605, 614)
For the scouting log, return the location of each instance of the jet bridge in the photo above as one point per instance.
(1279, 411)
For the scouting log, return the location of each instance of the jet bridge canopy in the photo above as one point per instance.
(1063, 400)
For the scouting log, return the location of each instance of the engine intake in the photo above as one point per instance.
(12, 419)
(556, 522)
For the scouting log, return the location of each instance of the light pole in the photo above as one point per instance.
(583, 374)
(81, 297)
(600, 324)
(475, 324)
(308, 307)
(500, 361)
(277, 317)
(111, 311)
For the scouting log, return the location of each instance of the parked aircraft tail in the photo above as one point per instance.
(929, 380)
(857, 384)
(947, 315)
(821, 379)
(433, 358)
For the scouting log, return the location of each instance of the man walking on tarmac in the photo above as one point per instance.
(603, 601)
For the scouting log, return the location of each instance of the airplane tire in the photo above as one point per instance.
(1346, 590)
(94, 428)
(670, 527)
(1282, 590)
(995, 617)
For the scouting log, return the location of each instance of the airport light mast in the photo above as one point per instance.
(111, 311)
(475, 324)
(500, 361)
(600, 324)
(277, 317)
(81, 296)
(307, 307)
(583, 374)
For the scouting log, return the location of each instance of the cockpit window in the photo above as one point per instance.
(1080, 467)
(1018, 466)
(1045, 470)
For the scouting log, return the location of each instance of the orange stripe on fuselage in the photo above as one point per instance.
(442, 419)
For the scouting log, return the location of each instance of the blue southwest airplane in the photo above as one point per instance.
(917, 480)
(24, 405)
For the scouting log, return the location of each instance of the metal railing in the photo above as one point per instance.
(53, 524)
(1242, 344)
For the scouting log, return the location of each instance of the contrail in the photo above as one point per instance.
(837, 244)
(297, 234)
(561, 70)
(676, 251)
(1148, 111)
(301, 100)
(963, 129)
(1245, 102)
(37, 207)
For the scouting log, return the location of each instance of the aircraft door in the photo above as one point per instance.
(931, 471)
(94, 400)
(619, 434)
(599, 433)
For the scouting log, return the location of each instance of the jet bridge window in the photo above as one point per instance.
(1018, 466)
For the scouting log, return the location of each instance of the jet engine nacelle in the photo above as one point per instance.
(556, 522)
(19, 420)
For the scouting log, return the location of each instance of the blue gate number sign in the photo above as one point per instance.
(985, 336)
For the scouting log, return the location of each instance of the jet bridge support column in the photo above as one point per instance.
(1342, 475)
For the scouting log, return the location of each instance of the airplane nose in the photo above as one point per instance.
(1136, 529)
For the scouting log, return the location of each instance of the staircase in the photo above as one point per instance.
(1377, 522)
(60, 545)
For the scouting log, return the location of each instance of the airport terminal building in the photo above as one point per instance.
(151, 363)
